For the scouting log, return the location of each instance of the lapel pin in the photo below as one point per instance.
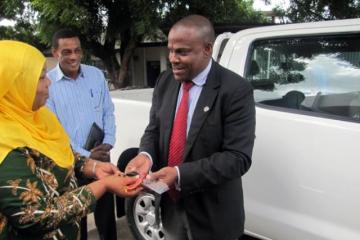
(206, 109)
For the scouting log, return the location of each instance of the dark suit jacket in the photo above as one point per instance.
(217, 153)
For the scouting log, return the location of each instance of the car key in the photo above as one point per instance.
(132, 174)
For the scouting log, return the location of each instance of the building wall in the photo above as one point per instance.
(51, 62)
(142, 60)
(138, 67)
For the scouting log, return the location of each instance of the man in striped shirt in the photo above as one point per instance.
(79, 96)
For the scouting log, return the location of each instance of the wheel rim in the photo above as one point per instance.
(144, 216)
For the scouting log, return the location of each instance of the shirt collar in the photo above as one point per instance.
(59, 75)
(200, 79)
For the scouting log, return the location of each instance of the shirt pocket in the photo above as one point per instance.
(96, 99)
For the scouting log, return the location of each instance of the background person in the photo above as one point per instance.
(39, 193)
(199, 139)
(79, 96)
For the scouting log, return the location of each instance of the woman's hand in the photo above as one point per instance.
(99, 170)
(118, 184)
(123, 186)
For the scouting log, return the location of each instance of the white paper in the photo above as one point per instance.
(158, 187)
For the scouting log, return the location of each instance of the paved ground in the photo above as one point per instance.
(123, 231)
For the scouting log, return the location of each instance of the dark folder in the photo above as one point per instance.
(95, 137)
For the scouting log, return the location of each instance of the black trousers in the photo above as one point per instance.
(104, 219)
(175, 222)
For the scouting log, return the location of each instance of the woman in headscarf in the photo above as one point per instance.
(39, 194)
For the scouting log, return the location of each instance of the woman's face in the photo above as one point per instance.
(42, 90)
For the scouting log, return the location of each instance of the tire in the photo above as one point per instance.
(140, 213)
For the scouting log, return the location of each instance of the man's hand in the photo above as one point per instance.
(101, 152)
(167, 175)
(105, 147)
(141, 164)
(101, 156)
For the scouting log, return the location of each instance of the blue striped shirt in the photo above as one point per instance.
(81, 102)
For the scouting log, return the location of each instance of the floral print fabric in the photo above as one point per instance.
(40, 200)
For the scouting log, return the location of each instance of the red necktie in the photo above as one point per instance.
(178, 134)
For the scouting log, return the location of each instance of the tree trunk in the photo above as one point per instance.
(112, 67)
(123, 80)
(118, 74)
(108, 57)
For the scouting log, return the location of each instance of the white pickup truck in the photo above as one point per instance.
(304, 183)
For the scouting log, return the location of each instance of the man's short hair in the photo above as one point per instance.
(62, 33)
(200, 22)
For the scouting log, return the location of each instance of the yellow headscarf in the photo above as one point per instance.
(20, 70)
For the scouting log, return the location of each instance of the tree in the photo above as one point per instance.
(111, 30)
(9, 9)
(105, 28)
(225, 11)
(319, 10)
(24, 28)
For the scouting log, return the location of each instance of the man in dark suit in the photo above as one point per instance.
(201, 155)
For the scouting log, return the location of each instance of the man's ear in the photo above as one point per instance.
(54, 53)
(208, 49)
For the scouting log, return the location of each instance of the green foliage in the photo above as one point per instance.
(224, 11)
(11, 8)
(22, 31)
(318, 10)
(25, 25)
(108, 27)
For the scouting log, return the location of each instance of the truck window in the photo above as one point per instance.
(318, 74)
(221, 50)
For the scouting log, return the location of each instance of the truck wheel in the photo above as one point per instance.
(140, 213)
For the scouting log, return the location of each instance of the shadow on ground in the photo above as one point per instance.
(123, 231)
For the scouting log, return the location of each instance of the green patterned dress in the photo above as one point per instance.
(40, 200)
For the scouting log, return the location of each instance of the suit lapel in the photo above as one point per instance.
(203, 107)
